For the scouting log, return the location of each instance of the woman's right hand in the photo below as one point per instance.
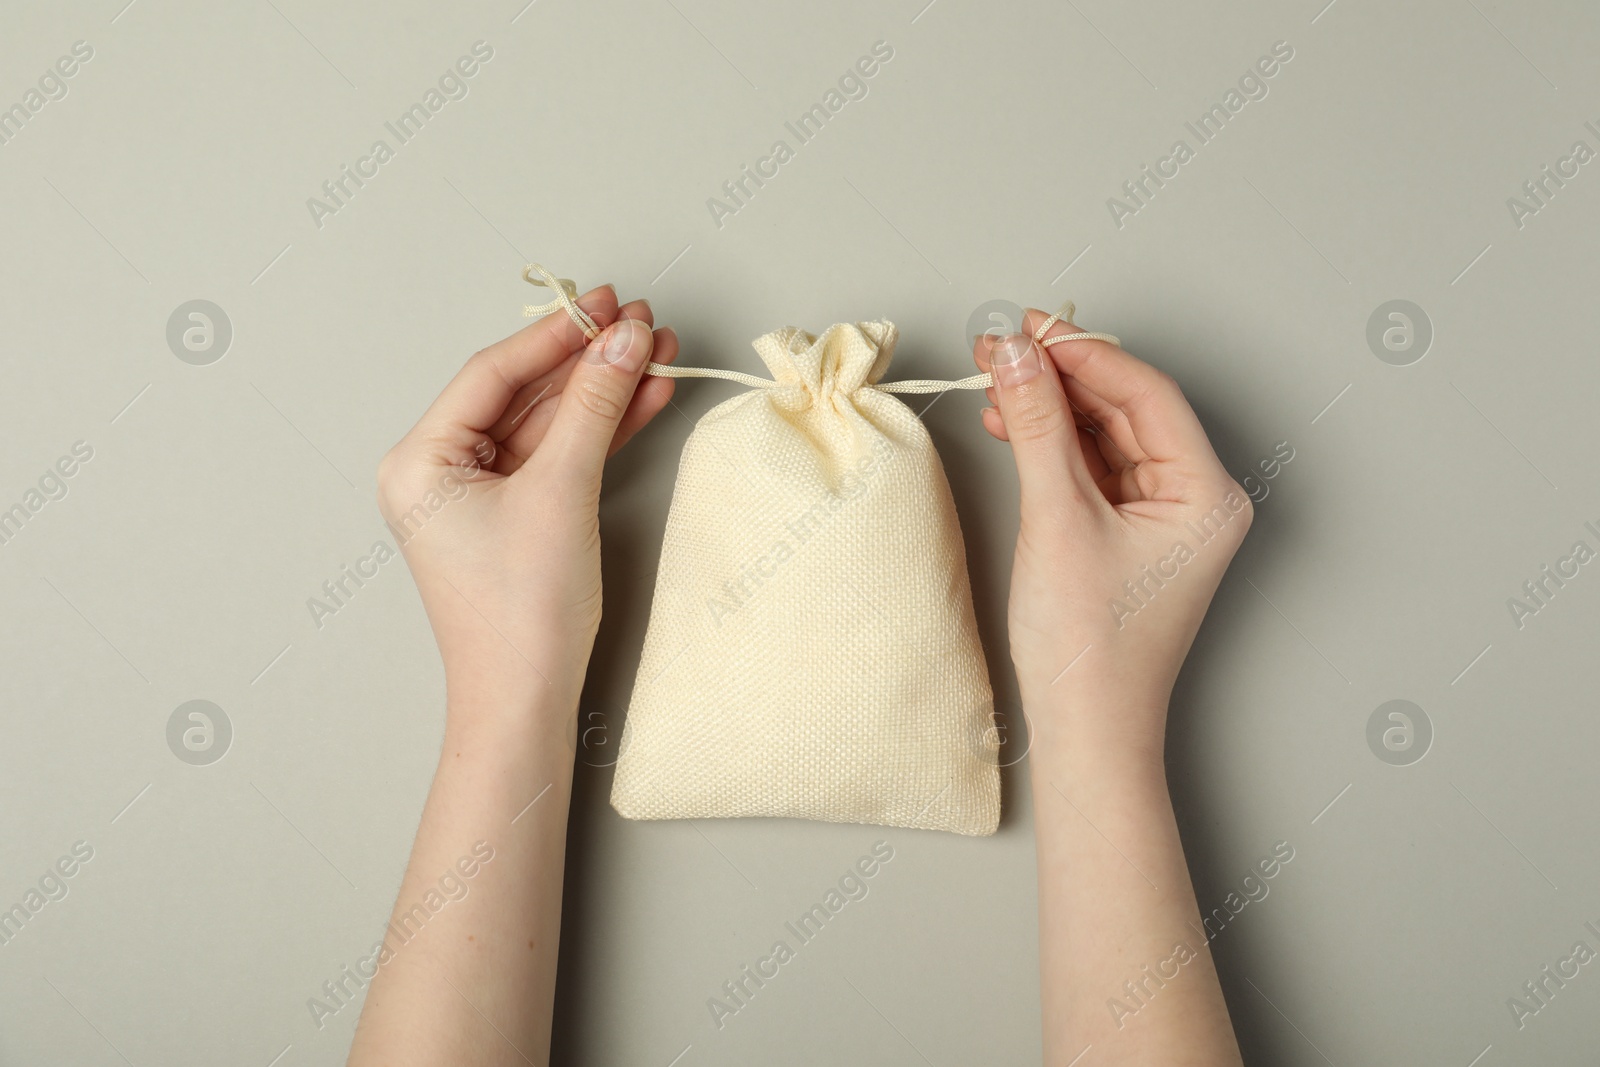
(1128, 522)
(494, 496)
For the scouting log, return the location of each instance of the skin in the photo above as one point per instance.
(1112, 465)
(509, 573)
(510, 577)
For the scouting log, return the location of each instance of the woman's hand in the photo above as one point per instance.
(494, 496)
(1128, 522)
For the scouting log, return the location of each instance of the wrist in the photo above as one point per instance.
(502, 707)
(493, 674)
(492, 767)
(1098, 725)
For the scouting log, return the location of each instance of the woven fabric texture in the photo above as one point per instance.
(812, 651)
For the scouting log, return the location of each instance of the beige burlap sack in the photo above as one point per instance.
(811, 650)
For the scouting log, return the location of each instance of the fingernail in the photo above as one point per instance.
(1014, 360)
(621, 345)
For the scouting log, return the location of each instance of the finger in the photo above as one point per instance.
(524, 432)
(652, 395)
(1036, 419)
(1077, 416)
(549, 384)
(595, 398)
(648, 400)
(482, 390)
(639, 311)
(1160, 424)
(1132, 473)
(1083, 421)
(524, 438)
(1093, 458)
(994, 423)
(411, 471)
(1117, 441)
(997, 427)
(1090, 444)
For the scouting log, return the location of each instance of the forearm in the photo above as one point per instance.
(472, 979)
(1124, 961)
(510, 575)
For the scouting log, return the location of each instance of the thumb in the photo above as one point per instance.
(594, 399)
(1038, 421)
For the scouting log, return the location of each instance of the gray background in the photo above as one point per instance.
(220, 497)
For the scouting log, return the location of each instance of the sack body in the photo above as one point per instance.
(812, 651)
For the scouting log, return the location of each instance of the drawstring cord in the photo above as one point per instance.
(566, 299)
